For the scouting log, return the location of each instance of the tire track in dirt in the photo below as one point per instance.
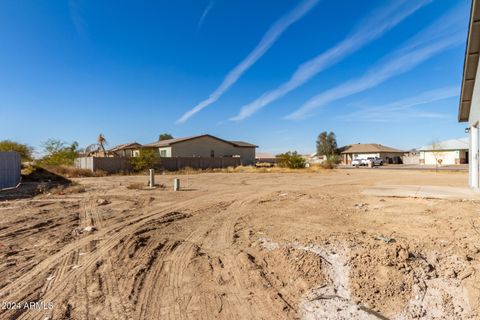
(182, 299)
(167, 286)
(108, 276)
(265, 301)
(216, 236)
(19, 289)
(166, 281)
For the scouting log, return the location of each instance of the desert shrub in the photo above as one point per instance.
(331, 162)
(62, 190)
(70, 171)
(145, 160)
(136, 186)
(291, 160)
(24, 150)
(59, 153)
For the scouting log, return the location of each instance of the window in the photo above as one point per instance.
(212, 153)
(163, 153)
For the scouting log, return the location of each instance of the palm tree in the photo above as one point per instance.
(102, 142)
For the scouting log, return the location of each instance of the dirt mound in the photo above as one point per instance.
(405, 280)
(363, 278)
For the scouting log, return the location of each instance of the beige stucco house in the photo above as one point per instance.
(366, 150)
(469, 108)
(126, 150)
(205, 145)
(448, 152)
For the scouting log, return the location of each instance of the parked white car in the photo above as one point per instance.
(357, 162)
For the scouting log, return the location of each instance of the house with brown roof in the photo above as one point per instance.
(205, 145)
(366, 150)
(126, 150)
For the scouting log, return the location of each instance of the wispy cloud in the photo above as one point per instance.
(378, 23)
(445, 33)
(405, 108)
(273, 33)
(204, 14)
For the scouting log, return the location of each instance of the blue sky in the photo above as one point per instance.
(274, 73)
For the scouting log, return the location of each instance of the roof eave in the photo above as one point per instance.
(252, 146)
(373, 151)
(470, 64)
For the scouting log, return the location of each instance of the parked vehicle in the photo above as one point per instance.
(357, 162)
(376, 161)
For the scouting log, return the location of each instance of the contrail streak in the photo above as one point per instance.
(377, 24)
(273, 33)
(443, 34)
(404, 108)
(204, 15)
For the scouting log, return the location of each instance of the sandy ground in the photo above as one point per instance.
(242, 246)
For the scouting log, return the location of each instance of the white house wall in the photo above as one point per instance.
(387, 157)
(473, 122)
(447, 157)
(365, 155)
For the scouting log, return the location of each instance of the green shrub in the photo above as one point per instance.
(24, 150)
(145, 160)
(59, 153)
(291, 160)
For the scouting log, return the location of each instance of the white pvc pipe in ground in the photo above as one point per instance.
(151, 180)
(176, 184)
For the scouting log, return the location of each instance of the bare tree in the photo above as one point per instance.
(437, 154)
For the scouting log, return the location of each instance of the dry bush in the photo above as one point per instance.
(331, 162)
(291, 160)
(136, 186)
(61, 190)
(141, 186)
(188, 170)
(264, 165)
(248, 169)
(72, 172)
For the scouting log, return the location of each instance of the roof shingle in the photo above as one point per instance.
(452, 144)
(169, 142)
(369, 148)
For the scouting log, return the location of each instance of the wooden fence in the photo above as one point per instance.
(172, 164)
(116, 165)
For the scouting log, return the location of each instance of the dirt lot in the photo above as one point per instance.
(242, 246)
